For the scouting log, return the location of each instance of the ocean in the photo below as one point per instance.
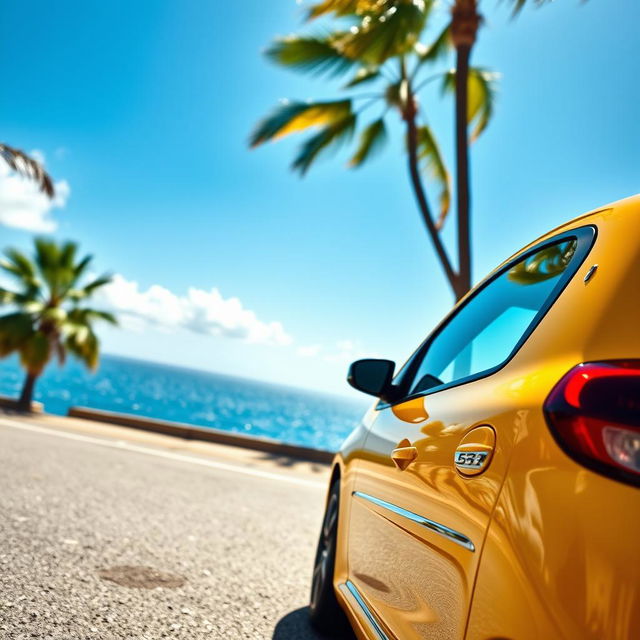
(196, 397)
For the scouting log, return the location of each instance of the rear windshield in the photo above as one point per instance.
(491, 326)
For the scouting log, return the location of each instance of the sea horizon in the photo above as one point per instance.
(239, 378)
(193, 396)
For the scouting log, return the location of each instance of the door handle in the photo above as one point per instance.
(404, 454)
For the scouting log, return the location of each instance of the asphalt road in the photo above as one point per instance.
(71, 511)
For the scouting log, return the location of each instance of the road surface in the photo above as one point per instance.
(78, 512)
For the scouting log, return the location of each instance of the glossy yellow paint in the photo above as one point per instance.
(555, 547)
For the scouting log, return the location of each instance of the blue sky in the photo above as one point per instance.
(144, 108)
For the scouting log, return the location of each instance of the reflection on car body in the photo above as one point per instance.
(492, 489)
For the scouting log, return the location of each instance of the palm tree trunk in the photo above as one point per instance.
(463, 282)
(26, 397)
(409, 116)
(465, 21)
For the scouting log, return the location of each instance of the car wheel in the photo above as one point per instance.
(324, 610)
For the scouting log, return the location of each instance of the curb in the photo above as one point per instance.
(11, 403)
(191, 432)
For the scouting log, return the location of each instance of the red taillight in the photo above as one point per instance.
(594, 414)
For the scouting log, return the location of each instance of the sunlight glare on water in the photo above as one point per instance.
(195, 397)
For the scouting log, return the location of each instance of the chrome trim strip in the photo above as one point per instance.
(451, 534)
(365, 610)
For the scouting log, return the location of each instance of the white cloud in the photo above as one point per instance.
(346, 351)
(342, 352)
(346, 345)
(24, 206)
(204, 312)
(309, 351)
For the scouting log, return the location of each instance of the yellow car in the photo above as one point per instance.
(492, 490)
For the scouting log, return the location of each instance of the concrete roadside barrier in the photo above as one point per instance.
(191, 432)
(12, 404)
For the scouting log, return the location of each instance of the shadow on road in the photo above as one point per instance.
(295, 626)
(289, 462)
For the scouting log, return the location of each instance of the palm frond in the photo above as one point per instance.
(15, 328)
(20, 267)
(482, 91)
(311, 54)
(47, 259)
(518, 5)
(58, 267)
(105, 316)
(66, 267)
(77, 271)
(395, 94)
(47, 255)
(7, 296)
(28, 300)
(372, 139)
(296, 116)
(35, 352)
(384, 35)
(363, 75)
(429, 151)
(89, 289)
(84, 345)
(345, 7)
(52, 317)
(84, 317)
(482, 96)
(329, 137)
(26, 166)
(437, 50)
(68, 255)
(81, 267)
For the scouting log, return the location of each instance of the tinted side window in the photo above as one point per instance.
(487, 329)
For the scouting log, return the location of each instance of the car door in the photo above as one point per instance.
(434, 460)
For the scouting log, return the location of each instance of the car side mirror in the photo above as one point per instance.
(372, 376)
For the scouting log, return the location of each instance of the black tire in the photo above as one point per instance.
(325, 612)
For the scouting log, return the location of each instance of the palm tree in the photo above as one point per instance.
(47, 318)
(382, 50)
(465, 22)
(25, 165)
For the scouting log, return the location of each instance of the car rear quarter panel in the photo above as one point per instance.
(562, 557)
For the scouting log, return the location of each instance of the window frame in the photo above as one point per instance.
(585, 237)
